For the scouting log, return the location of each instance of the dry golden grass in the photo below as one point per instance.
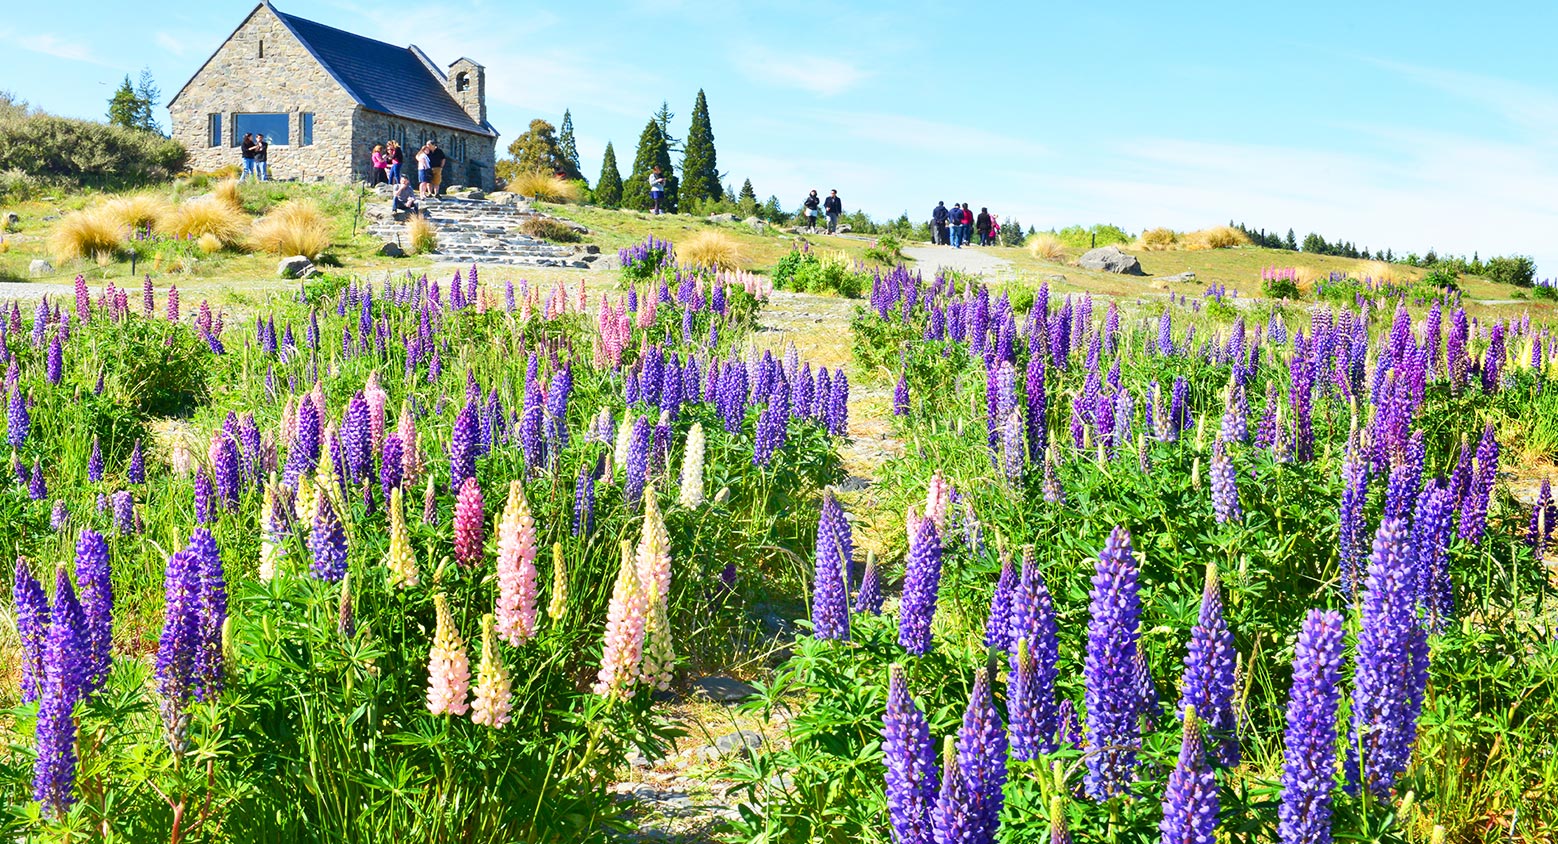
(226, 192)
(546, 187)
(1047, 247)
(1157, 240)
(209, 243)
(191, 220)
(295, 227)
(137, 210)
(1217, 237)
(422, 235)
(711, 248)
(1381, 271)
(85, 234)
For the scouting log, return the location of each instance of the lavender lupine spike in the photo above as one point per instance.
(327, 541)
(921, 581)
(176, 647)
(1309, 742)
(97, 604)
(1543, 515)
(210, 614)
(1190, 802)
(37, 489)
(868, 599)
(981, 755)
(1209, 674)
(1355, 492)
(32, 626)
(463, 447)
(54, 772)
(1474, 507)
(637, 462)
(830, 592)
(1225, 486)
(1430, 544)
(19, 420)
(998, 624)
(1391, 673)
(910, 758)
(1113, 693)
(1033, 712)
(95, 463)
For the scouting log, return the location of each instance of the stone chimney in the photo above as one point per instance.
(467, 82)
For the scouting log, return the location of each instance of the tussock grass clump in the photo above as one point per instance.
(1158, 240)
(191, 220)
(85, 234)
(137, 210)
(547, 228)
(226, 192)
(713, 249)
(545, 187)
(1047, 247)
(1217, 237)
(295, 227)
(209, 243)
(422, 235)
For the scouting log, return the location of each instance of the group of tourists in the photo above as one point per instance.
(388, 158)
(255, 149)
(957, 225)
(831, 207)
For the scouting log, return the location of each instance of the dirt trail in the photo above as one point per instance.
(967, 260)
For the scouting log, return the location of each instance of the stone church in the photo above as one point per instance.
(324, 97)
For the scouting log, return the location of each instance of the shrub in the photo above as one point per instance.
(711, 249)
(81, 153)
(547, 228)
(137, 211)
(1158, 240)
(295, 227)
(86, 233)
(1280, 288)
(1047, 247)
(1102, 234)
(545, 187)
(887, 250)
(190, 220)
(16, 185)
(789, 266)
(1518, 270)
(1441, 278)
(1545, 291)
(422, 235)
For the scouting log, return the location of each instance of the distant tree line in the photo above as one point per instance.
(1518, 270)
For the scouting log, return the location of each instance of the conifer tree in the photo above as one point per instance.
(132, 106)
(651, 151)
(1291, 244)
(608, 189)
(746, 201)
(663, 119)
(773, 212)
(567, 148)
(700, 173)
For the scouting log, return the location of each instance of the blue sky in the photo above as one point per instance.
(1411, 126)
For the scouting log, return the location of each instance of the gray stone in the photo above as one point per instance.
(297, 266)
(39, 267)
(723, 218)
(736, 742)
(391, 249)
(10, 222)
(1052, 277)
(757, 225)
(591, 249)
(1110, 259)
(722, 689)
(1184, 276)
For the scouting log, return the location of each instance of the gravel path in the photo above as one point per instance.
(968, 260)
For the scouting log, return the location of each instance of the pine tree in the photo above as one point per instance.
(1291, 244)
(773, 212)
(608, 189)
(651, 151)
(700, 173)
(131, 105)
(567, 148)
(663, 119)
(746, 200)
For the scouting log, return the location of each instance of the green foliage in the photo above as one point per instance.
(803, 270)
(700, 171)
(652, 150)
(1102, 234)
(536, 151)
(887, 250)
(39, 149)
(608, 188)
(132, 107)
(547, 228)
(568, 148)
(1516, 270)
(1545, 291)
(1281, 288)
(746, 201)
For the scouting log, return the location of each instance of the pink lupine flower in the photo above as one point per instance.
(448, 668)
(494, 691)
(624, 644)
(377, 399)
(516, 610)
(938, 497)
(654, 575)
(468, 527)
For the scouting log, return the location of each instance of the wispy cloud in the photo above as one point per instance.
(1521, 104)
(172, 43)
(821, 75)
(51, 45)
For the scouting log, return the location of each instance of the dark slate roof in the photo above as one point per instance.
(382, 77)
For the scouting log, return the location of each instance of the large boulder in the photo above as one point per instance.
(391, 249)
(39, 267)
(297, 266)
(10, 221)
(1110, 259)
(723, 218)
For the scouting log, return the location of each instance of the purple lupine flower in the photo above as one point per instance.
(210, 615)
(901, 395)
(202, 497)
(65, 667)
(1179, 410)
(37, 490)
(1209, 674)
(1113, 689)
(59, 517)
(1031, 698)
(55, 363)
(531, 423)
(462, 446)
(32, 626)
(226, 473)
(1190, 798)
(1038, 407)
(1543, 514)
(327, 542)
(1430, 546)
(1225, 486)
(1391, 673)
(356, 439)
(125, 520)
(1014, 447)
(95, 463)
(1309, 754)
(1355, 493)
(981, 758)
(97, 605)
(19, 420)
(998, 625)
(391, 470)
(868, 599)
(1266, 431)
(584, 502)
(772, 429)
(1493, 360)
(637, 467)
(837, 419)
(910, 758)
(830, 591)
(176, 647)
(1053, 492)
(921, 581)
(1474, 507)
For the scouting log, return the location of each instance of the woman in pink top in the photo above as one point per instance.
(379, 163)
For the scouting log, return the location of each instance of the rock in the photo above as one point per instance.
(591, 249)
(722, 689)
(10, 222)
(39, 267)
(1052, 277)
(1184, 276)
(743, 740)
(295, 267)
(757, 225)
(843, 228)
(723, 218)
(391, 249)
(505, 198)
(1110, 260)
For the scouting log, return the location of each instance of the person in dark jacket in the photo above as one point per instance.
(246, 146)
(955, 226)
(982, 225)
(261, 150)
(833, 207)
(809, 207)
(938, 224)
(436, 158)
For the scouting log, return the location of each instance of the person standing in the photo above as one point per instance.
(955, 226)
(938, 224)
(995, 230)
(394, 158)
(436, 160)
(246, 146)
(379, 165)
(261, 148)
(809, 207)
(968, 225)
(833, 207)
(982, 225)
(425, 170)
(656, 188)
